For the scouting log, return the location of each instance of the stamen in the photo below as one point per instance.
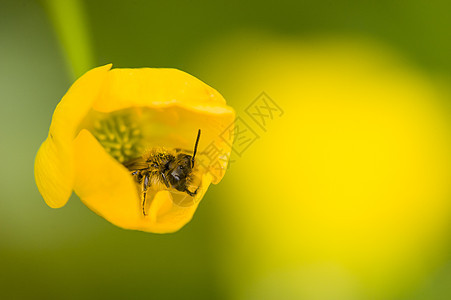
(119, 136)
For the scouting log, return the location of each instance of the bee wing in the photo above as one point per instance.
(182, 199)
(136, 164)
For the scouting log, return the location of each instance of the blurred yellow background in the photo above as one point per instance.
(339, 186)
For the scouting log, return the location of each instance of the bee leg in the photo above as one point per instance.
(137, 175)
(165, 180)
(145, 185)
(192, 194)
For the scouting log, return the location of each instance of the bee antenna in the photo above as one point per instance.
(195, 148)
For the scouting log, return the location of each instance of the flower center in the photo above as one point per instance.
(119, 136)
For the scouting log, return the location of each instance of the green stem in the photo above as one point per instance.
(69, 20)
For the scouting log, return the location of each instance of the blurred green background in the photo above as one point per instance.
(359, 208)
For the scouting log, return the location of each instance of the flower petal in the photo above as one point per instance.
(158, 87)
(53, 172)
(103, 184)
(54, 169)
(165, 216)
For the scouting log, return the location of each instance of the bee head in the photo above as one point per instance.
(181, 167)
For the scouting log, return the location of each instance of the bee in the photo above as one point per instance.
(161, 168)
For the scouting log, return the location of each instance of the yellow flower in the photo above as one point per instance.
(109, 117)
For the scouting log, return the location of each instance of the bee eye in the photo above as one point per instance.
(180, 167)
